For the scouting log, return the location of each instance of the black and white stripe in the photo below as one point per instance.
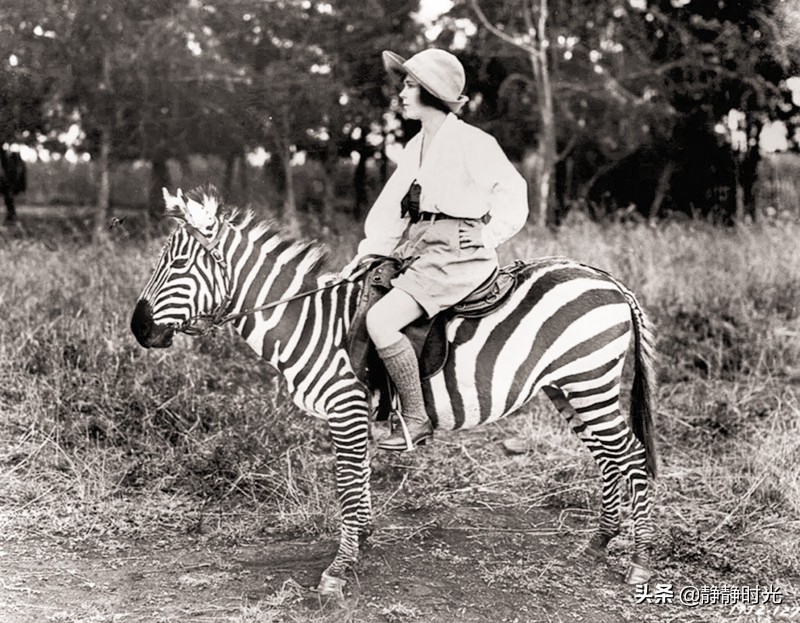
(566, 330)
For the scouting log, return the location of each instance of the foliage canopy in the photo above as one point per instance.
(640, 93)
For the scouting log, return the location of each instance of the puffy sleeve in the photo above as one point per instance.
(384, 226)
(506, 190)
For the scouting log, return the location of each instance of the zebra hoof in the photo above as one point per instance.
(638, 573)
(364, 535)
(597, 546)
(595, 552)
(330, 586)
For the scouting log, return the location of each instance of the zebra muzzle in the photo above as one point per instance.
(147, 332)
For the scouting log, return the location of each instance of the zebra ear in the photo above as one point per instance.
(175, 206)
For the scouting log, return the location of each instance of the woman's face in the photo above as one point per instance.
(409, 97)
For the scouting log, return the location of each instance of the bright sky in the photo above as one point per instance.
(429, 10)
(794, 84)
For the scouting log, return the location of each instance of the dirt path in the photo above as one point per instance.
(464, 564)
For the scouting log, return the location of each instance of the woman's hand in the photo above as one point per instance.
(470, 232)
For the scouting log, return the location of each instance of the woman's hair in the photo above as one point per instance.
(426, 98)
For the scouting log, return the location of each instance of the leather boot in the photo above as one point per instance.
(415, 428)
(408, 435)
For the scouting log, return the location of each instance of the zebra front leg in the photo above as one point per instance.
(365, 517)
(349, 435)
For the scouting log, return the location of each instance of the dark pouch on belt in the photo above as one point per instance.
(409, 205)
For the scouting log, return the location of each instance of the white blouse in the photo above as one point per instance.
(465, 174)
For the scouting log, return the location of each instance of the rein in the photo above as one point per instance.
(219, 317)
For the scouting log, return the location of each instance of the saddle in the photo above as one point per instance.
(428, 336)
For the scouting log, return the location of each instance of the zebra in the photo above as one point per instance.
(566, 330)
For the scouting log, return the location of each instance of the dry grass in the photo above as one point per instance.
(89, 416)
(101, 439)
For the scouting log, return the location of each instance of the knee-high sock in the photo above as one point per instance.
(401, 364)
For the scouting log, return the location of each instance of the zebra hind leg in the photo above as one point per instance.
(610, 514)
(619, 455)
(635, 472)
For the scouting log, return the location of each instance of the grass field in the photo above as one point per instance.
(126, 454)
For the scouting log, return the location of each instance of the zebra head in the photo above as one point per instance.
(189, 285)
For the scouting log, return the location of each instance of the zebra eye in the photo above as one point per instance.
(180, 262)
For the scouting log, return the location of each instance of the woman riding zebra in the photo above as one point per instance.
(452, 200)
(565, 330)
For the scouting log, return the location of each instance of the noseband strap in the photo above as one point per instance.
(211, 247)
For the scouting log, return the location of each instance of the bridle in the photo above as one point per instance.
(220, 315)
(217, 317)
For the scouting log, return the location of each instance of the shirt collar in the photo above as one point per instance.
(448, 126)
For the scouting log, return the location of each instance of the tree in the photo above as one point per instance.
(139, 78)
(616, 85)
(361, 31)
(722, 62)
(525, 26)
(318, 84)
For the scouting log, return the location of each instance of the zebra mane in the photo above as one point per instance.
(249, 224)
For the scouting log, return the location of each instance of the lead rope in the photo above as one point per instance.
(364, 267)
(219, 318)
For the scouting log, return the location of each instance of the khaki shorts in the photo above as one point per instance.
(444, 273)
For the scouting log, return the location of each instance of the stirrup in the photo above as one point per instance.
(402, 441)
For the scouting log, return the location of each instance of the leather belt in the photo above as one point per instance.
(432, 216)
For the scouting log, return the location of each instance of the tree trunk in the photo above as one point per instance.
(274, 170)
(328, 191)
(8, 181)
(530, 171)
(360, 177)
(243, 179)
(290, 217)
(159, 178)
(569, 183)
(102, 215)
(749, 179)
(738, 190)
(547, 153)
(227, 183)
(662, 188)
(360, 185)
(545, 187)
(384, 162)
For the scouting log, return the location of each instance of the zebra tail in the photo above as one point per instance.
(644, 384)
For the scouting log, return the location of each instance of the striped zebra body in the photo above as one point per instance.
(566, 330)
(563, 319)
